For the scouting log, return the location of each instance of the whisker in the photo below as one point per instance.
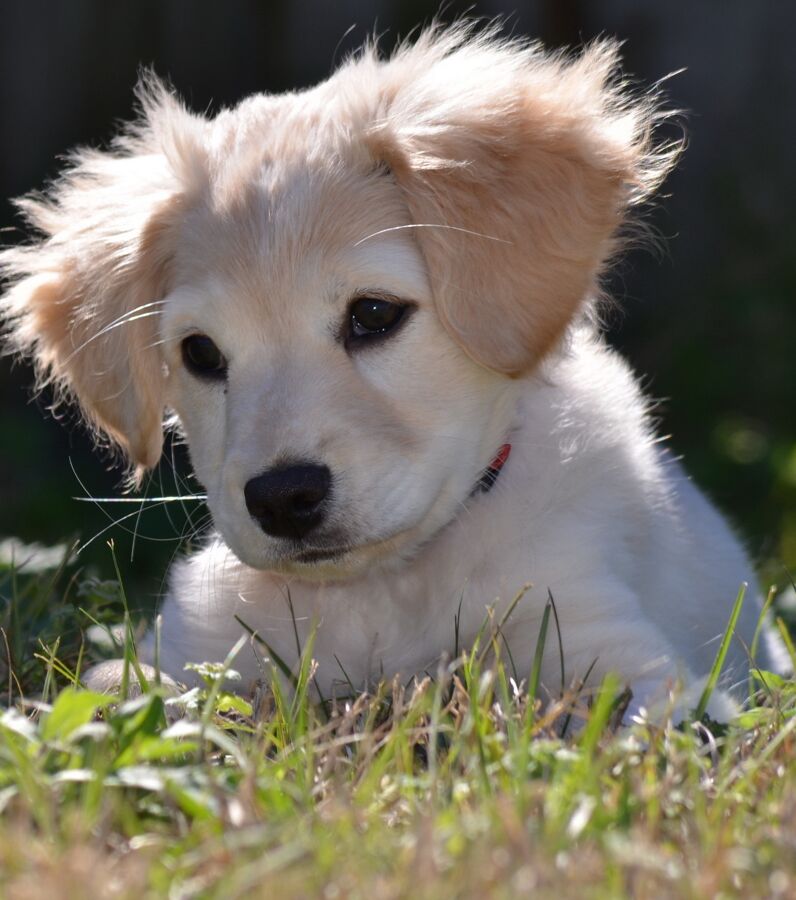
(167, 510)
(488, 237)
(153, 502)
(154, 344)
(138, 520)
(113, 523)
(178, 480)
(166, 499)
(187, 534)
(129, 316)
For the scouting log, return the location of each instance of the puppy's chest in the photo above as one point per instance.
(397, 623)
(369, 627)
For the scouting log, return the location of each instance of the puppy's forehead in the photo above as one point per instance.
(285, 221)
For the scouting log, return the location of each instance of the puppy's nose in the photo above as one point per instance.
(288, 502)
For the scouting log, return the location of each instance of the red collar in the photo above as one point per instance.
(490, 474)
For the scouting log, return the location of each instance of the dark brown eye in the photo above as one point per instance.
(373, 316)
(203, 358)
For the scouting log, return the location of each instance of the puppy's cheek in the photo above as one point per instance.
(392, 522)
(394, 499)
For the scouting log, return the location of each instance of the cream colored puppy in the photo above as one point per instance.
(368, 306)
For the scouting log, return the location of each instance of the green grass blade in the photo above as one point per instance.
(718, 662)
(788, 641)
(283, 667)
(536, 667)
(761, 621)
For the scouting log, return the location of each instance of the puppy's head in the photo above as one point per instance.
(336, 291)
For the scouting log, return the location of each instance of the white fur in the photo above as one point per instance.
(484, 183)
(589, 507)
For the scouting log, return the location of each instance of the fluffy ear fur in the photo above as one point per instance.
(518, 167)
(84, 300)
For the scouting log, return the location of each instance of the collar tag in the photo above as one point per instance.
(490, 475)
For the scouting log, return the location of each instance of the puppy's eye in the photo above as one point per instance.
(373, 316)
(203, 358)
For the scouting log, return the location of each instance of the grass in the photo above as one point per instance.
(457, 785)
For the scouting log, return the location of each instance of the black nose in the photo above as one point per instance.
(288, 502)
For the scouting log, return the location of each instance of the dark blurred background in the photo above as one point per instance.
(709, 323)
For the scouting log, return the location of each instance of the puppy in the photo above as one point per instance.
(369, 308)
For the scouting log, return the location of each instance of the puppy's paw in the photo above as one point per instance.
(107, 678)
(656, 702)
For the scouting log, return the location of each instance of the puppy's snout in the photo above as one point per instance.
(288, 502)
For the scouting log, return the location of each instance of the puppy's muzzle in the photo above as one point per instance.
(288, 502)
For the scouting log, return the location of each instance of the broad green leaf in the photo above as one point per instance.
(73, 707)
(154, 749)
(233, 703)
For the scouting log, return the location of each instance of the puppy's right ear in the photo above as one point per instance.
(84, 300)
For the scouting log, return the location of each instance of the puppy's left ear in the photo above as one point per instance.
(84, 301)
(518, 168)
